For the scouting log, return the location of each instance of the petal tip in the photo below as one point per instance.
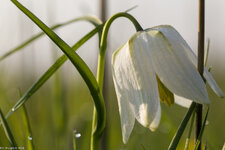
(155, 123)
(221, 95)
(212, 83)
(153, 129)
(125, 140)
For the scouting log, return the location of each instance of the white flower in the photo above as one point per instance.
(157, 51)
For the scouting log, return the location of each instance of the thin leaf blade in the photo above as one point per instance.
(180, 130)
(189, 132)
(60, 61)
(93, 20)
(7, 130)
(29, 137)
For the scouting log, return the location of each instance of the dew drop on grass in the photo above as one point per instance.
(30, 138)
(13, 109)
(77, 135)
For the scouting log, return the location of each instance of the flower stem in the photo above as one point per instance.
(100, 75)
(103, 44)
(101, 64)
(201, 36)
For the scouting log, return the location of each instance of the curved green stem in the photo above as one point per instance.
(101, 64)
(107, 25)
(100, 73)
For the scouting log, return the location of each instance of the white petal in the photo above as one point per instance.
(182, 101)
(193, 58)
(135, 76)
(155, 123)
(210, 80)
(126, 114)
(146, 101)
(173, 67)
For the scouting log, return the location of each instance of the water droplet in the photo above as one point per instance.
(13, 109)
(30, 138)
(77, 135)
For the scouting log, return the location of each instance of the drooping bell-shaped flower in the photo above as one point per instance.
(151, 63)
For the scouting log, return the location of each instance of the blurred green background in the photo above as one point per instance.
(64, 103)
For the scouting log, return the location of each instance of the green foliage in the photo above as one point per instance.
(28, 133)
(181, 128)
(74, 141)
(202, 130)
(189, 132)
(51, 71)
(7, 130)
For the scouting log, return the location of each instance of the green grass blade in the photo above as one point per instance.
(29, 137)
(189, 132)
(24, 44)
(28, 132)
(202, 130)
(75, 137)
(74, 143)
(178, 134)
(51, 71)
(95, 21)
(78, 63)
(7, 130)
(58, 107)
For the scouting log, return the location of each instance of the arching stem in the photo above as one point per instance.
(101, 64)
